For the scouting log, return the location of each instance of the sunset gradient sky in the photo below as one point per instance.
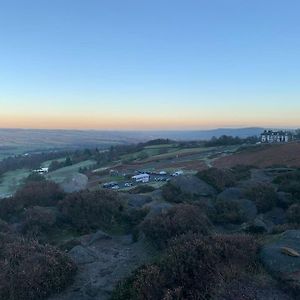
(149, 64)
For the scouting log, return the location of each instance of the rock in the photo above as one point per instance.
(231, 194)
(290, 252)
(281, 266)
(191, 185)
(155, 208)
(248, 209)
(277, 216)
(284, 199)
(257, 226)
(90, 239)
(77, 182)
(138, 201)
(81, 255)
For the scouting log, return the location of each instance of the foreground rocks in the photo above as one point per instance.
(281, 260)
(102, 261)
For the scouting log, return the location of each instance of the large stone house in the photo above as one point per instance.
(270, 136)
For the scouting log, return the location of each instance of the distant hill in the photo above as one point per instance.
(35, 138)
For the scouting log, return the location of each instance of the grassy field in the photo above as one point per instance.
(10, 181)
(47, 163)
(64, 173)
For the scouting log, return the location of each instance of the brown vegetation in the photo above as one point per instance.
(264, 196)
(194, 267)
(219, 179)
(31, 271)
(263, 156)
(180, 219)
(88, 211)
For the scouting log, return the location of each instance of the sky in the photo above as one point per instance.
(149, 64)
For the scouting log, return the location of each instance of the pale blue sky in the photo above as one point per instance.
(149, 63)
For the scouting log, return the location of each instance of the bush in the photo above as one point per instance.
(43, 193)
(242, 172)
(289, 183)
(178, 220)
(264, 196)
(220, 179)
(194, 267)
(38, 221)
(141, 189)
(34, 193)
(32, 271)
(293, 213)
(228, 211)
(172, 193)
(88, 211)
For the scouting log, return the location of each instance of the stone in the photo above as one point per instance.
(281, 266)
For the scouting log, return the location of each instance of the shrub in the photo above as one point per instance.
(289, 183)
(264, 196)
(242, 172)
(178, 220)
(173, 193)
(34, 193)
(228, 211)
(293, 213)
(88, 211)
(140, 189)
(32, 271)
(38, 220)
(218, 178)
(194, 267)
(42, 193)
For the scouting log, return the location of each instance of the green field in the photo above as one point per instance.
(10, 181)
(47, 163)
(62, 174)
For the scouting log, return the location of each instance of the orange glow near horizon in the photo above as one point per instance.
(112, 122)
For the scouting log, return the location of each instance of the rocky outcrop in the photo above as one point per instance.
(102, 261)
(279, 263)
(191, 185)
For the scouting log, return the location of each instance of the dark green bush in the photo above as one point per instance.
(220, 179)
(31, 271)
(178, 220)
(194, 267)
(264, 196)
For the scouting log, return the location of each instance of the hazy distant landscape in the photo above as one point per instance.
(20, 140)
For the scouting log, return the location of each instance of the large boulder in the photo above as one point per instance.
(232, 193)
(191, 185)
(75, 183)
(284, 199)
(90, 239)
(277, 216)
(258, 225)
(281, 258)
(156, 208)
(82, 255)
